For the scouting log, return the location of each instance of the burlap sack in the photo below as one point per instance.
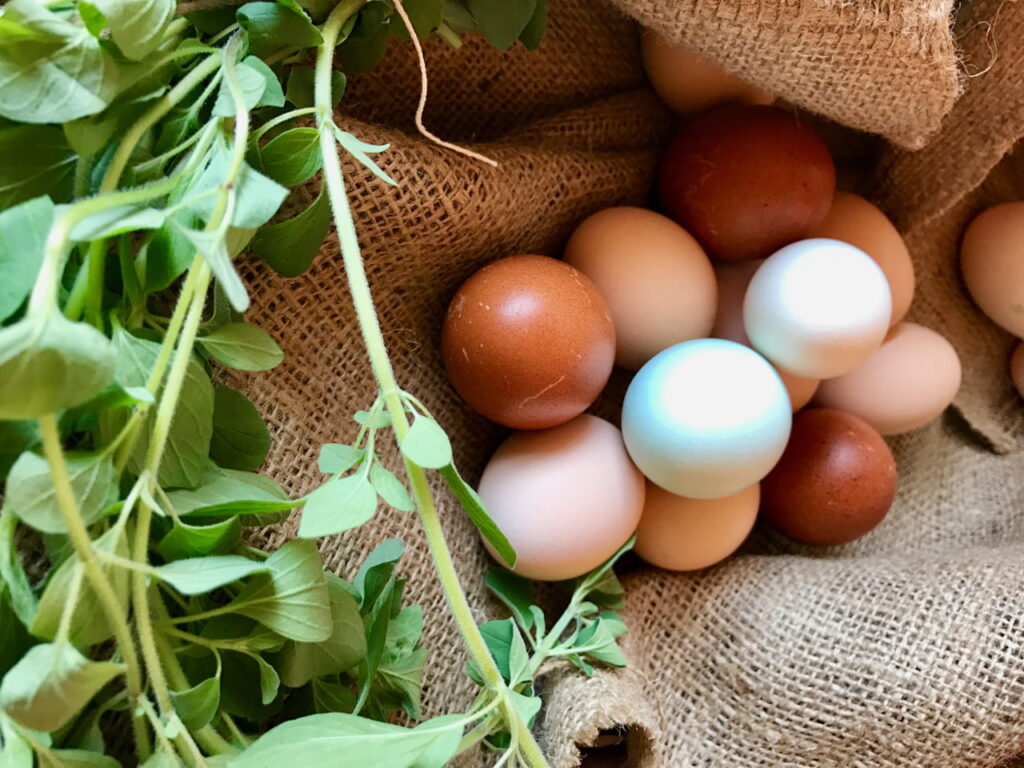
(902, 649)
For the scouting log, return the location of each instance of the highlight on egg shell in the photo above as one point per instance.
(992, 259)
(906, 383)
(567, 498)
(528, 342)
(688, 82)
(706, 418)
(817, 308)
(835, 482)
(658, 282)
(683, 534)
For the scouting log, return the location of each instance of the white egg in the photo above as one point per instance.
(706, 418)
(817, 308)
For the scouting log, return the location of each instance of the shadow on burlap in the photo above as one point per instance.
(902, 649)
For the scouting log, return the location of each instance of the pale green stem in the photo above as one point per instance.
(366, 313)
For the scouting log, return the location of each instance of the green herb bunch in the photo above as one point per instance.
(143, 147)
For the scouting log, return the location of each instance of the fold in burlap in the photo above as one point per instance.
(902, 649)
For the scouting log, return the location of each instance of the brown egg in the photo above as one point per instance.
(1017, 368)
(854, 220)
(746, 180)
(656, 279)
(528, 342)
(688, 83)
(992, 258)
(835, 481)
(684, 534)
(800, 390)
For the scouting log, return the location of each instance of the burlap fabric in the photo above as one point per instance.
(902, 649)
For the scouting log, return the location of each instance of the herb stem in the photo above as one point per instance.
(448, 34)
(377, 352)
(82, 543)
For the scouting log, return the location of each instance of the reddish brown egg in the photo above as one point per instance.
(528, 342)
(835, 481)
(746, 180)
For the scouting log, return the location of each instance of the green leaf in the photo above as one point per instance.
(299, 90)
(240, 437)
(32, 497)
(331, 697)
(12, 574)
(35, 161)
(272, 27)
(51, 71)
(366, 44)
(338, 505)
(502, 22)
(325, 737)
(336, 458)
(390, 488)
(185, 459)
(346, 647)
(197, 706)
(51, 364)
(198, 575)
(184, 540)
(81, 758)
(16, 437)
(597, 642)
(293, 599)
(378, 420)
(533, 33)
(528, 706)
(14, 638)
(114, 221)
(478, 515)
(257, 198)
(291, 157)
(360, 149)
(51, 684)
(426, 444)
(270, 681)
(214, 250)
(399, 676)
(23, 232)
(251, 82)
(290, 246)
(16, 752)
(515, 592)
(89, 623)
(243, 347)
(458, 17)
(376, 569)
(425, 15)
(168, 252)
(498, 635)
(442, 751)
(136, 26)
(273, 94)
(229, 492)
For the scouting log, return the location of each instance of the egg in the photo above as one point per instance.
(706, 418)
(835, 482)
(688, 82)
(903, 385)
(854, 220)
(683, 534)
(658, 282)
(566, 498)
(528, 342)
(746, 180)
(992, 259)
(1017, 369)
(733, 278)
(817, 308)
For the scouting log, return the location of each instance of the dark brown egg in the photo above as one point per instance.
(746, 180)
(835, 481)
(528, 342)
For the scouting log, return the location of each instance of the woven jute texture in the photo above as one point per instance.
(902, 649)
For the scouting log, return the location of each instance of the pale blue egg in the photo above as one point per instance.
(706, 418)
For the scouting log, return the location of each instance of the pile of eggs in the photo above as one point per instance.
(759, 291)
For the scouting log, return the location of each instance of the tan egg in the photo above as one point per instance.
(567, 498)
(684, 534)
(1017, 368)
(655, 278)
(688, 82)
(733, 278)
(992, 259)
(854, 220)
(907, 382)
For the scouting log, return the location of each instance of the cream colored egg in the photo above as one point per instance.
(1017, 368)
(566, 498)
(992, 259)
(656, 279)
(907, 382)
(684, 534)
(858, 222)
(817, 308)
(688, 82)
